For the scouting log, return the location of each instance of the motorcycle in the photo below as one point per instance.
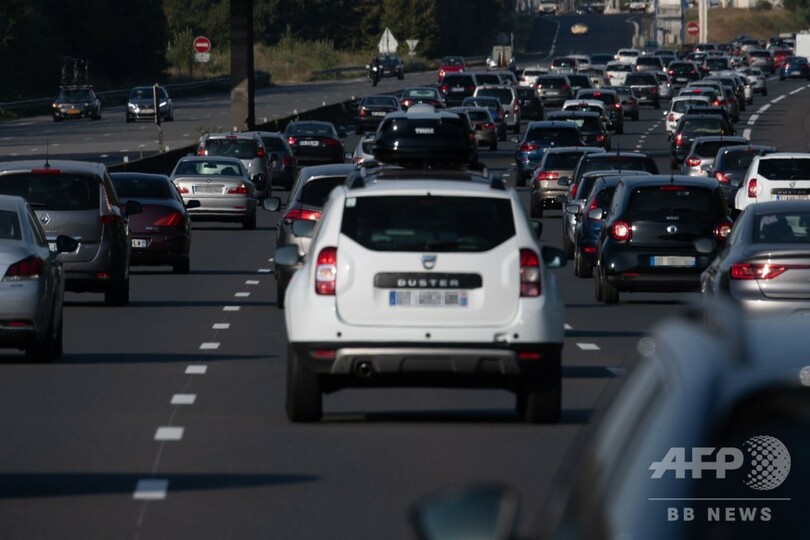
(375, 74)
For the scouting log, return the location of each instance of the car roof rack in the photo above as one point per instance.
(373, 171)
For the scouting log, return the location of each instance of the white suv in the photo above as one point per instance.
(779, 176)
(433, 279)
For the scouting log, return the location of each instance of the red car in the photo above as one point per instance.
(779, 56)
(451, 64)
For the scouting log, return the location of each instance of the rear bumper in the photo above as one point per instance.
(440, 365)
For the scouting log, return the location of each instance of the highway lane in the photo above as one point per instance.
(80, 433)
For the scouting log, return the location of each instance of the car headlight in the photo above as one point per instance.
(132, 106)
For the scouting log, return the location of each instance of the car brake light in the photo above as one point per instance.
(286, 161)
(182, 190)
(548, 175)
(326, 271)
(752, 188)
(620, 231)
(654, 90)
(716, 103)
(564, 87)
(108, 219)
(678, 138)
(471, 88)
(722, 231)
(297, 213)
(721, 177)
(28, 268)
(292, 140)
(600, 137)
(363, 111)
(529, 273)
(201, 151)
(406, 102)
(172, 219)
(756, 270)
(593, 206)
(693, 161)
(572, 191)
(260, 152)
(488, 125)
(46, 171)
(330, 142)
(241, 189)
(443, 89)
(528, 147)
(617, 105)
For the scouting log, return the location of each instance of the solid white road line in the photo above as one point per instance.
(753, 119)
(150, 490)
(747, 134)
(184, 399)
(221, 326)
(169, 433)
(196, 369)
(588, 346)
(231, 308)
(209, 346)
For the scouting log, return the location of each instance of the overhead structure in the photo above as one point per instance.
(243, 116)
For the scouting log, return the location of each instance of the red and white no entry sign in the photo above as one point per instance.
(692, 28)
(202, 44)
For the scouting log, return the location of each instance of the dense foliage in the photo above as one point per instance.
(127, 42)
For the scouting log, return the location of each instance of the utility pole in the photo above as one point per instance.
(242, 79)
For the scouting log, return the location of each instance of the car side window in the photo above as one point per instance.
(36, 229)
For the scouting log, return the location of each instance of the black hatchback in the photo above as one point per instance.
(695, 125)
(660, 233)
(645, 86)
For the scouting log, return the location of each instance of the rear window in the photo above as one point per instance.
(487, 78)
(716, 63)
(681, 68)
(238, 148)
(703, 126)
(648, 61)
(640, 79)
(782, 228)
(209, 166)
(303, 130)
(380, 101)
(479, 116)
(604, 197)
(785, 169)
(9, 225)
(552, 82)
(709, 149)
(562, 160)
(274, 144)
(619, 163)
(504, 95)
(621, 67)
(49, 191)
(609, 99)
(587, 123)
(316, 191)
(655, 202)
(683, 105)
(559, 136)
(428, 223)
(564, 62)
(458, 80)
(134, 188)
(738, 160)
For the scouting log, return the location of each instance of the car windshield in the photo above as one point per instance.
(682, 105)
(145, 92)
(504, 95)
(9, 225)
(146, 188)
(564, 62)
(782, 228)
(53, 191)
(420, 93)
(785, 169)
(238, 148)
(428, 223)
(389, 60)
(75, 95)
(316, 191)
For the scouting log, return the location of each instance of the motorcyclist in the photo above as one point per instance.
(375, 70)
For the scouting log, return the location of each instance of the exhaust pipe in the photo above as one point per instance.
(364, 370)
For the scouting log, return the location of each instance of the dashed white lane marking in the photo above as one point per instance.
(778, 99)
(209, 346)
(196, 369)
(588, 346)
(764, 108)
(265, 270)
(231, 308)
(271, 259)
(753, 119)
(252, 282)
(184, 399)
(221, 326)
(747, 134)
(169, 433)
(150, 490)
(794, 92)
(568, 327)
(242, 294)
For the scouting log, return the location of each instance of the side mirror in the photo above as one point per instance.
(303, 227)
(736, 182)
(132, 208)
(564, 181)
(537, 227)
(553, 257)
(193, 203)
(596, 214)
(485, 511)
(572, 209)
(66, 244)
(287, 256)
(271, 204)
(259, 179)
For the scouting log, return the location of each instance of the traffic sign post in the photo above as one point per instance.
(388, 44)
(202, 49)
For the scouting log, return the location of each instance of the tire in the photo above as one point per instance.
(635, 117)
(281, 289)
(401, 77)
(598, 293)
(130, 119)
(374, 82)
(536, 210)
(182, 265)
(610, 294)
(568, 247)
(657, 105)
(541, 405)
(117, 294)
(581, 268)
(57, 119)
(249, 224)
(304, 398)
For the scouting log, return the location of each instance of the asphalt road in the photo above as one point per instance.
(165, 418)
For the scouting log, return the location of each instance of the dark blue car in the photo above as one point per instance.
(795, 67)
(588, 226)
(539, 137)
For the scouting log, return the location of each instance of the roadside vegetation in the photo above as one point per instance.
(761, 23)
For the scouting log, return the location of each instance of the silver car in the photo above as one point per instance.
(700, 158)
(141, 104)
(221, 185)
(249, 148)
(33, 283)
(765, 268)
(362, 152)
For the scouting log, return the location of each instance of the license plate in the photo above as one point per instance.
(138, 242)
(148, 111)
(680, 79)
(308, 143)
(73, 111)
(377, 113)
(791, 197)
(457, 89)
(429, 298)
(211, 190)
(672, 260)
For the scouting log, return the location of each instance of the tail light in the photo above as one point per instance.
(297, 213)
(756, 270)
(572, 191)
(593, 206)
(330, 142)
(471, 88)
(654, 90)
(678, 138)
(488, 125)
(752, 188)
(326, 272)
(286, 161)
(28, 268)
(406, 103)
(443, 89)
(620, 231)
(564, 87)
(109, 219)
(600, 137)
(547, 175)
(721, 177)
(722, 231)
(441, 74)
(617, 105)
(630, 101)
(528, 147)
(693, 161)
(362, 112)
(182, 190)
(292, 140)
(201, 151)
(172, 219)
(529, 273)
(241, 189)
(260, 152)
(516, 108)
(500, 115)
(670, 72)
